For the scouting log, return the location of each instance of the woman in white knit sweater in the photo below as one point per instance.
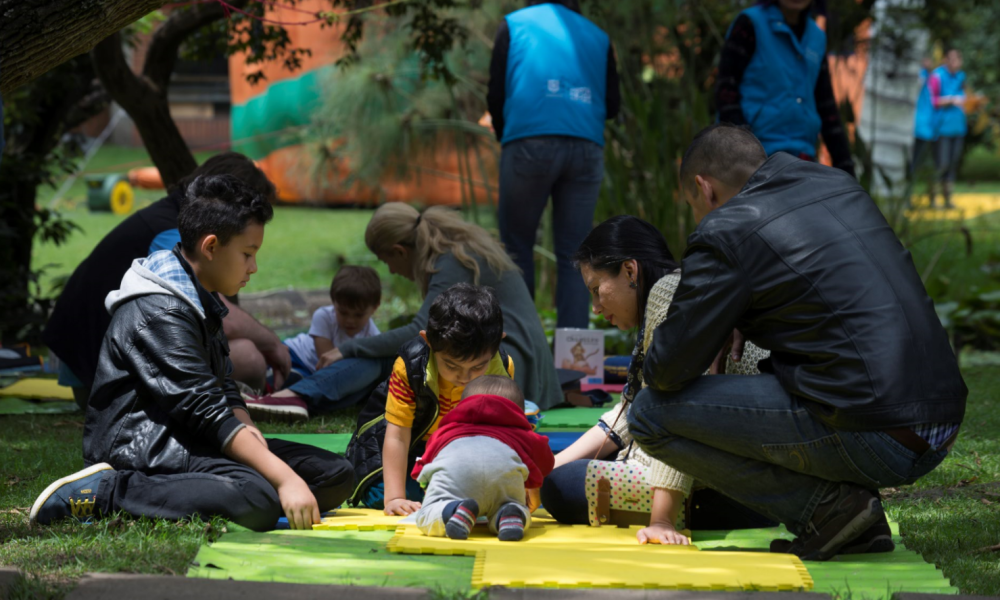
(632, 277)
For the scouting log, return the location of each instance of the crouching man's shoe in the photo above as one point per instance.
(845, 515)
(72, 496)
(876, 539)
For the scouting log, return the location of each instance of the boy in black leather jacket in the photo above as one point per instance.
(167, 433)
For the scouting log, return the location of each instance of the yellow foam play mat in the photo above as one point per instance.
(578, 556)
(37, 389)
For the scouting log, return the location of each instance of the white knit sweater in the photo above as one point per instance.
(658, 474)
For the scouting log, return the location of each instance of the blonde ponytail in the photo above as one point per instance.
(439, 230)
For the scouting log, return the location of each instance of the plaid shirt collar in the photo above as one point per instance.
(171, 266)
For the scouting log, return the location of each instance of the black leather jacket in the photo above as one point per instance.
(803, 263)
(162, 389)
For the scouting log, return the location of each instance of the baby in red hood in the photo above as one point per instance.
(484, 459)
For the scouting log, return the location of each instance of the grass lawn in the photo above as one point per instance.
(952, 516)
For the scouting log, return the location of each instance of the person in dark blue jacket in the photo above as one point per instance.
(553, 83)
(774, 78)
(947, 89)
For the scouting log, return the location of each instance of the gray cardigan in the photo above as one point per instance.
(534, 367)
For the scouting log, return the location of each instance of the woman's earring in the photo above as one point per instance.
(632, 284)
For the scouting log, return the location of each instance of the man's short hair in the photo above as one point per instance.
(495, 385)
(727, 152)
(220, 205)
(356, 288)
(465, 322)
(237, 165)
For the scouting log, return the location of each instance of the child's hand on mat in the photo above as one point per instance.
(534, 499)
(401, 507)
(328, 358)
(661, 533)
(298, 503)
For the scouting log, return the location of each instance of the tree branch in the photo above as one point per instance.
(115, 73)
(39, 35)
(165, 44)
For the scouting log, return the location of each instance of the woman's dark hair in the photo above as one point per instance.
(624, 238)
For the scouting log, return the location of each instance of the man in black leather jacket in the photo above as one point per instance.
(167, 433)
(862, 389)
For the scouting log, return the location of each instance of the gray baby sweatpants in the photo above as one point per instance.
(482, 468)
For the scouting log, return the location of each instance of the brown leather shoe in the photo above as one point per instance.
(875, 540)
(838, 522)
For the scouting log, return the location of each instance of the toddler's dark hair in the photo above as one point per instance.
(495, 385)
(465, 322)
(220, 205)
(356, 288)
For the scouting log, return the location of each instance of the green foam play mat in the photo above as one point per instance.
(571, 418)
(327, 557)
(17, 406)
(334, 442)
(360, 558)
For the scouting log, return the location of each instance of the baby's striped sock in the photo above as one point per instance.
(459, 518)
(510, 524)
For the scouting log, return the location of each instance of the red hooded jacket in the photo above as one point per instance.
(498, 418)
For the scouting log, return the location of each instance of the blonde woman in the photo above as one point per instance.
(438, 249)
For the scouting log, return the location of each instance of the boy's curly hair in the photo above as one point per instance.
(465, 322)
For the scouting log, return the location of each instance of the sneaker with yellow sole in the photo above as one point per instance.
(72, 496)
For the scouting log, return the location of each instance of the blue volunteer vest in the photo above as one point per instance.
(951, 119)
(923, 119)
(778, 87)
(556, 75)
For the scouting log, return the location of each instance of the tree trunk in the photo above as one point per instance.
(49, 106)
(149, 109)
(38, 35)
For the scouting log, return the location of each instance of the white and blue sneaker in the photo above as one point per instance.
(72, 496)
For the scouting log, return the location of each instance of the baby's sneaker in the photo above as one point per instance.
(72, 496)
(510, 524)
(461, 522)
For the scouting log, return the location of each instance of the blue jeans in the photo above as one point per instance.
(745, 437)
(570, 170)
(345, 383)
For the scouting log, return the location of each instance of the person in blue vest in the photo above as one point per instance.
(924, 133)
(774, 78)
(553, 83)
(947, 88)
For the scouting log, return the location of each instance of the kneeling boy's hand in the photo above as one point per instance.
(401, 507)
(661, 534)
(298, 503)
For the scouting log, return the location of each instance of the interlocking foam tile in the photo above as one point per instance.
(16, 406)
(570, 418)
(543, 533)
(359, 519)
(581, 556)
(334, 442)
(38, 389)
(327, 557)
(869, 576)
(633, 566)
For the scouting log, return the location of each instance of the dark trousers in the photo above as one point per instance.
(218, 486)
(570, 170)
(564, 496)
(947, 156)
